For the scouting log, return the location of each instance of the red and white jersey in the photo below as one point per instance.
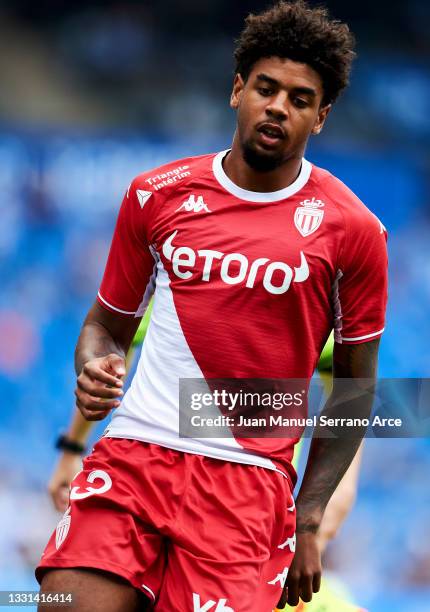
(247, 285)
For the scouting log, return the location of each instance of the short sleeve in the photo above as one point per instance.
(361, 285)
(129, 277)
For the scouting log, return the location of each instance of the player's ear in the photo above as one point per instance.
(236, 94)
(322, 116)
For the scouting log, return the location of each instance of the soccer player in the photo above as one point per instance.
(253, 234)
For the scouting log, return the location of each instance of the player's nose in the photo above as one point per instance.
(277, 107)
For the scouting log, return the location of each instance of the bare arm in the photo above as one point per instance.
(104, 332)
(343, 498)
(68, 463)
(340, 503)
(79, 428)
(329, 459)
(100, 360)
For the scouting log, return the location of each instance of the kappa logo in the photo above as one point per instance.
(209, 605)
(308, 216)
(194, 205)
(281, 578)
(290, 542)
(62, 529)
(92, 476)
(235, 268)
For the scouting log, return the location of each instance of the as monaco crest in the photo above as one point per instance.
(62, 529)
(308, 216)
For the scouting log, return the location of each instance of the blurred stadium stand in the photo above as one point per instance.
(94, 93)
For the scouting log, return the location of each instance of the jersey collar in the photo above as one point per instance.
(259, 196)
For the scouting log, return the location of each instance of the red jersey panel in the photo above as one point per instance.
(247, 285)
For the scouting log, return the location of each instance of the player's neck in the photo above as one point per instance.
(247, 178)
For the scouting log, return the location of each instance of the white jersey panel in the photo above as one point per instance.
(149, 410)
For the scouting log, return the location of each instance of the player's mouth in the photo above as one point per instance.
(271, 134)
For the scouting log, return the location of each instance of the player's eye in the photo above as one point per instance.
(300, 102)
(265, 91)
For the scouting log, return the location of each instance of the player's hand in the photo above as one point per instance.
(66, 469)
(99, 386)
(304, 575)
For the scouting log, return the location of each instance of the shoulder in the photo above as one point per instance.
(148, 192)
(357, 216)
(164, 180)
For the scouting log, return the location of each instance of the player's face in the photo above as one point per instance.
(278, 107)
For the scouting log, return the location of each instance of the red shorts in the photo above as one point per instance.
(206, 534)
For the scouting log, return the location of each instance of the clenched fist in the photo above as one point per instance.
(99, 386)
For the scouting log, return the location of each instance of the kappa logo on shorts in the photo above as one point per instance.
(290, 542)
(92, 476)
(281, 578)
(209, 605)
(62, 529)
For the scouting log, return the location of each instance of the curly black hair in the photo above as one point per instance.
(296, 31)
